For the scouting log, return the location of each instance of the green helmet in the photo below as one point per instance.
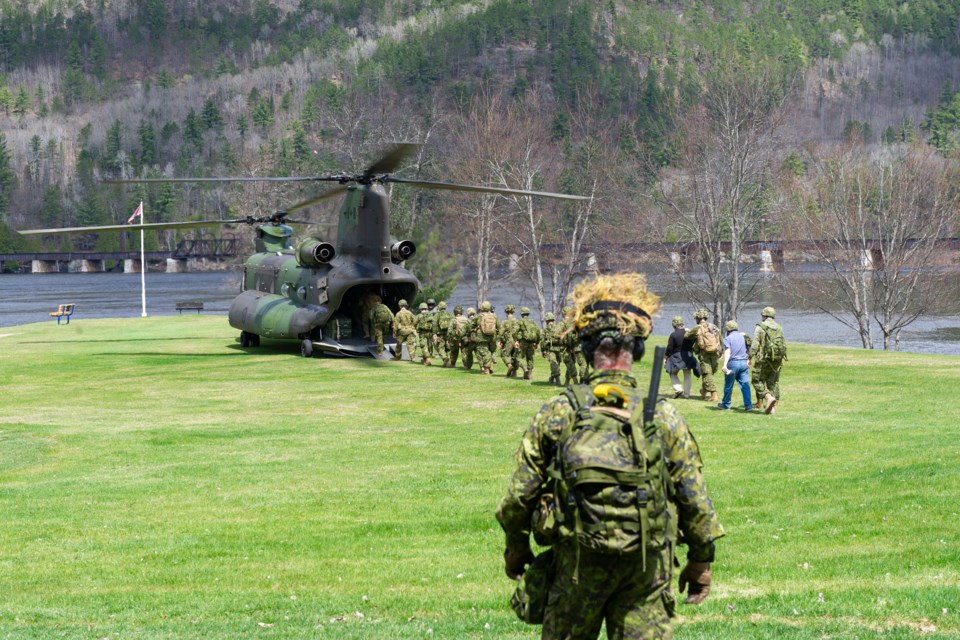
(677, 321)
(549, 317)
(423, 306)
(769, 312)
(701, 314)
(402, 303)
(566, 310)
(509, 308)
(485, 306)
(458, 309)
(442, 305)
(471, 311)
(731, 325)
(524, 311)
(431, 302)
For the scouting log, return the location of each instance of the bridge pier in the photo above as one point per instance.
(43, 266)
(91, 266)
(131, 266)
(177, 265)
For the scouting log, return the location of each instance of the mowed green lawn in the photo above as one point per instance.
(157, 481)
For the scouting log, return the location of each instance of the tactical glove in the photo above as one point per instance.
(516, 560)
(697, 575)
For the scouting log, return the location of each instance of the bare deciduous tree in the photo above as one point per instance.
(716, 199)
(875, 222)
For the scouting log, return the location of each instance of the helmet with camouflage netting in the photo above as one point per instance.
(509, 308)
(485, 306)
(402, 303)
(615, 310)
(442, 305)
(524, 311)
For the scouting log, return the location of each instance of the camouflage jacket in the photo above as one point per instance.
(551, 338)
(426, 322)
(405, 322)
(443, 323)
(759, 337)
(692, 507)
(507, 333)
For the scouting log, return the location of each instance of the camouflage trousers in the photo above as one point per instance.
(511, 355)
(484, 350)
(553, 357)
(424, 344)
(709, 365)
(440, 347)
(467, 348)
(570, 367)
(453, 350)
(379, 332)
(582, 365)
(526, 355)
(766, 378)
(410, 339)
(636, 604)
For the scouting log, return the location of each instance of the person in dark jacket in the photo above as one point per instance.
(680, 357)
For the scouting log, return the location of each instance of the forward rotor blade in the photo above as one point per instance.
(248, 179)
(131, 227)
(320, 198)
(452, 186)
(392, 159)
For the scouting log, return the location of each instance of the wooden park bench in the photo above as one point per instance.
(63, 311)
(189, 304)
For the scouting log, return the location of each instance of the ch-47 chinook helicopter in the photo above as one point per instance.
(312, 291)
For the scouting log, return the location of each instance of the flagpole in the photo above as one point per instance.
(143, 269)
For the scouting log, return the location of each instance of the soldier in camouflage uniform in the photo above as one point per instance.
(550, 347)
(455, 334)
(765, 375)
(571, 345)
(630, 592)
(709, 362)
(466, 342)
(425, 331)
(529, 335)
(379, 321)
(509, 342)
(443, 321)
(405, 328)
(484, 343)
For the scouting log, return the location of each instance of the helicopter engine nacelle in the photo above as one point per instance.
(313, 253)
(403, 250)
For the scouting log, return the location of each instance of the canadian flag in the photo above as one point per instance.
(137, 213)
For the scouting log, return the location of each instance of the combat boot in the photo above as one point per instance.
(771, 403)
(713, 396)
(703, 394)
(527, 375)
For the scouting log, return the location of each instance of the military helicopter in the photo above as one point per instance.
(314, 291)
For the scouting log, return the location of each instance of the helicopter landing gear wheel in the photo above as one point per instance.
(248, 339)
(306, 348)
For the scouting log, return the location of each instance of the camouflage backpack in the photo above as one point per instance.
(443, 321)
(708, 338)
(488, 323)
(609, 478)
(774, 347)
(529, 332)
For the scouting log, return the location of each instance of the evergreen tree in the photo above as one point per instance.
(8, 181)
(21, 103)
(192, 133)
(113, 146)
(148, 144)
(210, 116)
(51, 208)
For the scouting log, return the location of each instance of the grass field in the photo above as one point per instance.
(156, 481)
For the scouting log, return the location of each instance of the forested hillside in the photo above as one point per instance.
(602, 99)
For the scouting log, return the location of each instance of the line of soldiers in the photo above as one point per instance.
(471, 335)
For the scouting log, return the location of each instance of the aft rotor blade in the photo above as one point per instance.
(131, 227)
(452, 186)
(320, 198)
(392, 159)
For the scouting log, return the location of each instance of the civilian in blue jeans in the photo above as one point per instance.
(736, 365)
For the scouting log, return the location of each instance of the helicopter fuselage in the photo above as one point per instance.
(313, 292)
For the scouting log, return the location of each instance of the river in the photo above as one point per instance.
(29, 298)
